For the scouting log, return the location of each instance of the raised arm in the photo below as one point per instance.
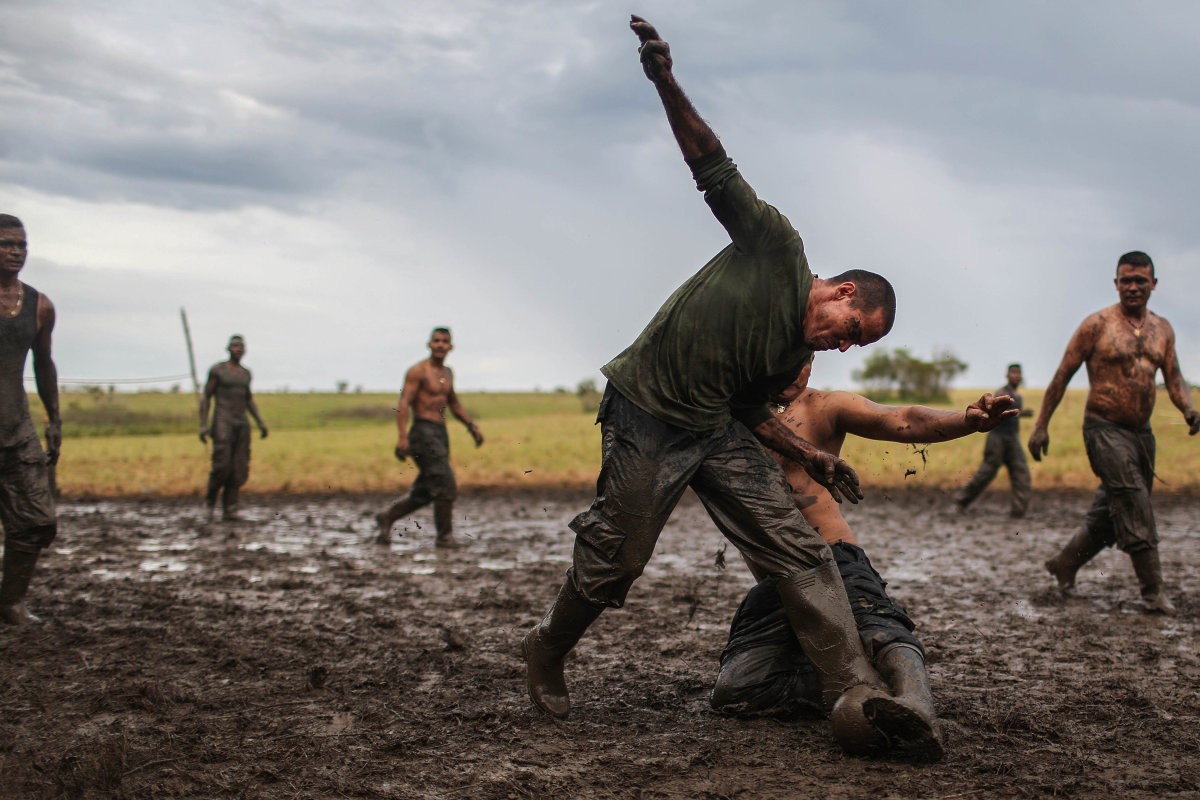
(825, 468)
(696, 139)
(1177, 388)
(1078, 349)
(45, 375)
(918, 424)
(408, 396)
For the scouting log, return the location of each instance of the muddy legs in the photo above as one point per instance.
(1148, 568)
(1081, 549)
(547, 645)
(19, 564)
(386, 518)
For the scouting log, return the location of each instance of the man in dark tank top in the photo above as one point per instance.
(228, 392)
(26, 500)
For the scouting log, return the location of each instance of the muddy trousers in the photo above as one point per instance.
(763, 669)
(1000, 450)
(230, 463)
(646, 465)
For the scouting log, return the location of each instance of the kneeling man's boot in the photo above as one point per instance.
(1081, 549)
(865, 719)
(547, 645)
(1148, 568)
(19, 565)
(903, 667)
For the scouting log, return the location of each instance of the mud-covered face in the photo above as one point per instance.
(1014, 376)
(237, 349)
(838, 325)
(1134, 285)
(439, 345)
(13, 249)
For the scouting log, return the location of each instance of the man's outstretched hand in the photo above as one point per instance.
(1039, 443)
(655, 53)
(989, 411)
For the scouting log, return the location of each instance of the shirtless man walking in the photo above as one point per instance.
(428, 392)
(763, 669)
(1124, 346)
(229, 385)
(26, 501)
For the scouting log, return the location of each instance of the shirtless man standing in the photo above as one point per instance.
(229, 385)
(26, 501)
(763, 669)
(1124, 346)
(428, 392)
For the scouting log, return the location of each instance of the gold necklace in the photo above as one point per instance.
(20, 301)
(1137, 329)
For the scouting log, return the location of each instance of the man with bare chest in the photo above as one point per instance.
(228, 390)
(26, 501)
(764, 671)
(428, 392)
(1124, 346)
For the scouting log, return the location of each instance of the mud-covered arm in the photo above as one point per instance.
(918, 424)
(408, 396)
(206, 398)
(1078, 349)
(825, 468)
(1177, 388)
(252, 407)
(45, 375)
(460, 413)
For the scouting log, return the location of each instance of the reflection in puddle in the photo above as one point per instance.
(162, 565)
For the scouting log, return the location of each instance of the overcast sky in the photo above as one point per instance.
(334, 183)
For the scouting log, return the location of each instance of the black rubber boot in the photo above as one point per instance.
(229, 503)
(1081, 549)
(903, 667)
(443, 523)
(19, 565)
(387, 518)
(1148, 568)
(865, 719)
(547, 645)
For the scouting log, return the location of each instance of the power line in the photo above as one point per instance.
(106, 381)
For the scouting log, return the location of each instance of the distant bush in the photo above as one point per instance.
(899, 376)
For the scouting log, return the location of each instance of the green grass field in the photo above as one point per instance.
(145, 444)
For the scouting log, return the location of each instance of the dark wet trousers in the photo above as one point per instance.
(646, 465)
(230, 463)
(999, 450)
(763, 669)
(1123, 460)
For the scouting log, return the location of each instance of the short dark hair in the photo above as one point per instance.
(9, 221)
(1013, 365)
(1136, 258)
(237, 337)
(439, 330)
(873, 292)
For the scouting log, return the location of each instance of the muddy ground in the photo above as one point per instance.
(287, 657)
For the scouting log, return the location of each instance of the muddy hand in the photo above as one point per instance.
(1192, 418)
(204, 434)
(54, 441)
(835, 475)
(475, 434)
(262, 432)
(1039, 443)
(655, 53)
(989, 411)
(401, 452)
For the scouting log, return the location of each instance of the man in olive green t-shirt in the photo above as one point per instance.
(686, 406)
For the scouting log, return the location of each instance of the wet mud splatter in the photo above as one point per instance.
(288, 657)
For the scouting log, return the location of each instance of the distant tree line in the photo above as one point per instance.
(897, 376)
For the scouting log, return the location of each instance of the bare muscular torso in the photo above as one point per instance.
(1122, 361)
(813, 416)
(434, 386)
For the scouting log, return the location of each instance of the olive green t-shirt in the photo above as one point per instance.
(733, 334)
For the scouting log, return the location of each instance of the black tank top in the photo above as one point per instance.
(16, 338)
